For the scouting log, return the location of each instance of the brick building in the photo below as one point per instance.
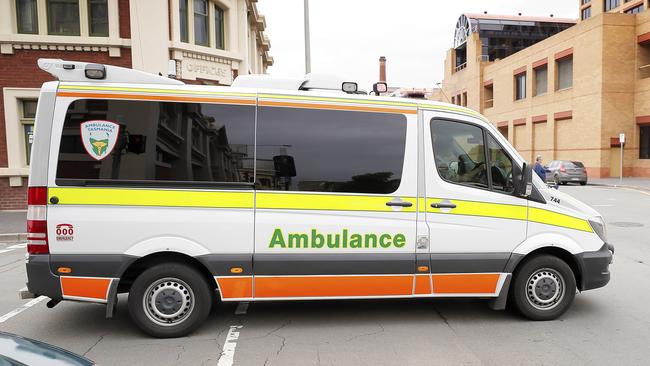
(207, 42)
(561, 88)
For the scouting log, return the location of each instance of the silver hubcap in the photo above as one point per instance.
(545, 289)
(168, 301)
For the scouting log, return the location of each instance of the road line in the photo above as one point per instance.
(19, 310)
(242, 308)
(602, 205)
(18, 246)
(5, 250)
(228, 353)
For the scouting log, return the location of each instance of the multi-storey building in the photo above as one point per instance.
(207, 42)
(561, 88)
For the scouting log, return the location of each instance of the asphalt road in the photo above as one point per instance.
(604, 327)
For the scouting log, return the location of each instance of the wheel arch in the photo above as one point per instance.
(143, 263)
(517, 260)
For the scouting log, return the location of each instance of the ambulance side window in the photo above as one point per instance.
(459, 153)
(129, 142)
(329, 151)
(500, 167)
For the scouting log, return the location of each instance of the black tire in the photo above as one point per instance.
(541, 274)
(180, 289)
(583, 183)
(556, 179)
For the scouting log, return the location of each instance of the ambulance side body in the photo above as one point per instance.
(418, 234)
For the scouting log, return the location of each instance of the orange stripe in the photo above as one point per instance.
(324, 286)
(423, 285)
(154, 97)
(336, 107)
(235, 287)
(94, 288)
(465, 283)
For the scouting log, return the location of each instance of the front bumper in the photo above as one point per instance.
(40, 279)
(595, 267)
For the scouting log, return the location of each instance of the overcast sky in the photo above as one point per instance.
(348, 36)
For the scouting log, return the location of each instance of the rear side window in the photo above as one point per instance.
(135, 141)
(578, 164)
(329, 151)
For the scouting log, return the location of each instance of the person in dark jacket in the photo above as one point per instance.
(539, 169)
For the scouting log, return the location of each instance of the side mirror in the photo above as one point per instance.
(379, 87)
(523, 181)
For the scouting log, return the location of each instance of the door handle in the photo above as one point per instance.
(443, 205)
(399, 204)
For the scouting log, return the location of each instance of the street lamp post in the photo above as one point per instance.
(307, 46)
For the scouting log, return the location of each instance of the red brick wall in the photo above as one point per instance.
(19, 70)
(12, 198)
(125, 18)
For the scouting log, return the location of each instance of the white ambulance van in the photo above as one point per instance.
(280, 189)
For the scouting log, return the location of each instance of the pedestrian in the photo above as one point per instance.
(539, 169)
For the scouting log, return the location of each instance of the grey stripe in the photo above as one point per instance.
(334, 264)
(468, 262)
(220, 264)
(92, 265)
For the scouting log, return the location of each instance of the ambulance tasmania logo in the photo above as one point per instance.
(99, 137)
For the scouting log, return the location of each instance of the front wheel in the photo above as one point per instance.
(544, 288)
(169, 300)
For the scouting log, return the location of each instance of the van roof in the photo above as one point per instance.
(71, 73)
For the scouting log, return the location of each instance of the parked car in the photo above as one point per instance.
(565, 171)
(20, 351)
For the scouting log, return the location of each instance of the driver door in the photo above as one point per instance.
(475, 222)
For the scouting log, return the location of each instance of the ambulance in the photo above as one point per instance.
(287, 189)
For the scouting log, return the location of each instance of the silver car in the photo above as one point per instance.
(565, 171)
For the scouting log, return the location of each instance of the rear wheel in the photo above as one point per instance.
(557, 180)
(583, 183)
(169, 300)
(544, 288)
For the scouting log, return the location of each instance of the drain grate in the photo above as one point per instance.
(626, 224)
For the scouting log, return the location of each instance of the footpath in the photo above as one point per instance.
(642, 184)
(13, 226)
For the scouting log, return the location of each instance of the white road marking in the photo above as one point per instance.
(19, 310)
(602, 205)
(5, 250)
(242, 308)
(228, 353)
(18, 246)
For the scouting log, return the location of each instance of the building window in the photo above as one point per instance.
(182, 12)
(541, 80)
(564, 73)
(464, 103)
(219, 27)
(98, 18)
(644, 143)
(611, 4)
(644, 60)
(27, 118)
(635, 10)
(520, 86)
(583, 2)
(201, 23)
(489, 96)
(586, 13)
(27, 16)
(63, 17)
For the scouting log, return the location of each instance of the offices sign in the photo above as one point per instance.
(209, 70)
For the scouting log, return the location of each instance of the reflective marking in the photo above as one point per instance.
(147, 90)
(152, 197)
(155, 97)
(384, 109)
(227, 356)
(19, 310)
(557, 219)
(291, 201)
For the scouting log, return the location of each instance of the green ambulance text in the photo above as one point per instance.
(316, 240)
